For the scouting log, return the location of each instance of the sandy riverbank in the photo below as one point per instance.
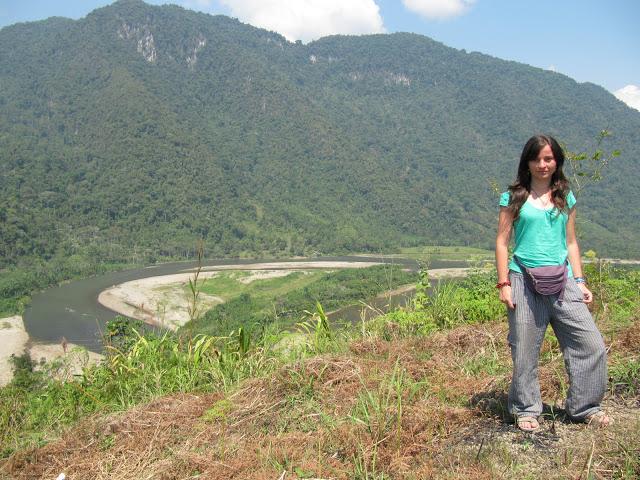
(14, 340)
(329, 265)
(438, 273)
(163, 300)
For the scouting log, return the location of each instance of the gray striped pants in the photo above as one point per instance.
(583, 349)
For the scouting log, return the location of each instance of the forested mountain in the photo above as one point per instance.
(134, 131)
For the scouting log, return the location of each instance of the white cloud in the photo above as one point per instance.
(309, 19)
(438, 9)
(629, 95)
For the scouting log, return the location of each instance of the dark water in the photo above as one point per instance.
(372, 307)
(72, 310)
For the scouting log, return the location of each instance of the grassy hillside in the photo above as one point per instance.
(130, 133)
(417, 393)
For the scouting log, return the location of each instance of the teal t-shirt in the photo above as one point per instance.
(540, 236)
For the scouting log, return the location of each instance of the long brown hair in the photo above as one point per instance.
(520, 189)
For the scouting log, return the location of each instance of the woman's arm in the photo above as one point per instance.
(573, 254)
(505, 222)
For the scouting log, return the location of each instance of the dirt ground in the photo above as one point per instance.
(306, 421)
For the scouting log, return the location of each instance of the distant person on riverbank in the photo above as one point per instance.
(542, 284)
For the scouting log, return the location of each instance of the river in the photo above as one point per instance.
(72, 310)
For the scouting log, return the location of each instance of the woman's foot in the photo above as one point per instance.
(598, 419)
(527, 423)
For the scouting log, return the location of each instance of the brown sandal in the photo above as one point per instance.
(598, 419)
(532, 421)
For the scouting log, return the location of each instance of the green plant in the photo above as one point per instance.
(380, 411)
(624, 376)
(629, 465)
(317, 327)
(478, 296)
(218, 411)
(616, 292)
(24, 375)
(374, 409)
(550, 346)
(586, 168)
(421, 296)
(121, 333)
(444, 305)
(193, 308)
(365, 465)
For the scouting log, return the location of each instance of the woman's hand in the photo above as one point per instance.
(505, 297)
(587, 296)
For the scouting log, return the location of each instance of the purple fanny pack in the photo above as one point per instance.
(547, 280)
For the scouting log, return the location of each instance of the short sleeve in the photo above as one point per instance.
(571, 200)
(505, 198)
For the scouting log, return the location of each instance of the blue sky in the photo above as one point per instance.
(588, 40)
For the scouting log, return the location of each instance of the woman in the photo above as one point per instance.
(539, 209)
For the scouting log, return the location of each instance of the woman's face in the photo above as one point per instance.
(544, 166)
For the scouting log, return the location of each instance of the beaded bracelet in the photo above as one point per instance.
(503, 284)
(580, 280)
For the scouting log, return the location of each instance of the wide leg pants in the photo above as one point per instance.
(583, 349)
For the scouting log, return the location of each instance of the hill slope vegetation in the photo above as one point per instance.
(419, 392)
(132, 132)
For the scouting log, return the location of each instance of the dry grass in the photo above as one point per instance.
(629, 339)
(411, 408)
